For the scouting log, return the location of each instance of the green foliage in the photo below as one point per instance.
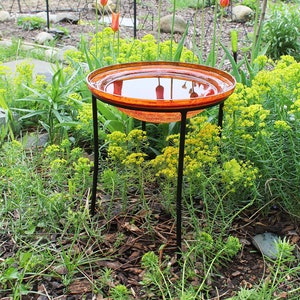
(119, 292)
(66, 168)
(107, 48)
(282, 30)
(264, 125)
(158, 275)
(182, 4)
(256, 159)
(283, 266)
(250, 3)
(31, 23)
(55, 106)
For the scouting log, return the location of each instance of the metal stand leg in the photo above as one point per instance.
(48, 18)
(220, 117)
(96, 156)
(134, 19)
(179, 183)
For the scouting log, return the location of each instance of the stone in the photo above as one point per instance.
(61, 52)
(6, 43)
(43, 37)
(241, 13)
(43, 15)
(4, 16)
(266, 244)
(124, 22)
(51, 54)
(39, 67)
(3, 116)
(67, 17)
(36, 140)
(166, 24)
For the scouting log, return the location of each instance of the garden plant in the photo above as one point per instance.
(236, 176)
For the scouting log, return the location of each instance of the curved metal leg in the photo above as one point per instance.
(96, 156)
(220, 117)
(179, 183)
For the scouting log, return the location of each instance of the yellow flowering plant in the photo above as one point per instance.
(126, 154)
(262, 125)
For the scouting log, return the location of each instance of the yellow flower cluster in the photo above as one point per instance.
(52, 150)
(134, 159)
(238, 173)
(166, 163)
(82, 167)
(201, 151)
(58, 163)
(282, 125)
(24, 74)
(85, 116)
(125, 150)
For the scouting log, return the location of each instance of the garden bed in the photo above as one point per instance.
(63, 253)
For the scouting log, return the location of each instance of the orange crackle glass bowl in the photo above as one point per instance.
(159, 92)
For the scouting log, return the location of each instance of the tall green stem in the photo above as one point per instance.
(158, 30)
(172, 31)
(195, 26)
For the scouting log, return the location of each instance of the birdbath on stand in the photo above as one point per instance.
(158, 92)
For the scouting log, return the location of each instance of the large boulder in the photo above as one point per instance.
(241, 13)
(167, 21)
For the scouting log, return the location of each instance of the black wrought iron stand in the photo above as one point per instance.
(179, 171)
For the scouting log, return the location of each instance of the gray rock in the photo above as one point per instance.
(266, 244)
(4, 16)
(51, 54)
(36, 140)
(124, 22)
(6, 43)
(61, 52)
(241, 13)
(167, 21)
(43, 37)
(3, 116)
(67, 17)
(39, 67)
(43, 15)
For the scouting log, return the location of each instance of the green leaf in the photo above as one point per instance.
(11, 273)
(180, 46)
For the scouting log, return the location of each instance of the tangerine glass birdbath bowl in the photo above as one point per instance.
(158, 92)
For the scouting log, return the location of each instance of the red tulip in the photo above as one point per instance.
(118, 84)
(115, 22)
(194, 95)
(224, 3)
(159, 92)
(103, 2)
